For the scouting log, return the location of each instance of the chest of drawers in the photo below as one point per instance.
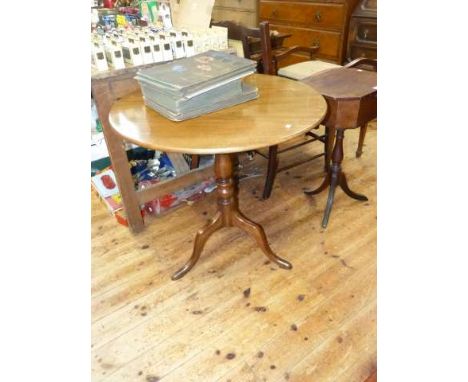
(311, 22)
(362, 40)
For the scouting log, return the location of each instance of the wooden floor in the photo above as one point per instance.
(235, 316)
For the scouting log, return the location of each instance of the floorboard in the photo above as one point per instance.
(236, 316)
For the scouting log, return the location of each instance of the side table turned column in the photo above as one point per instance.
(351, 96)
(228, 215)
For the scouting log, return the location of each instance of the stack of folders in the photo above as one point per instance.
(197, 85)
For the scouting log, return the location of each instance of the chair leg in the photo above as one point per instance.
(362, 135)
(195, 161)
(330, 140)
(271, 174)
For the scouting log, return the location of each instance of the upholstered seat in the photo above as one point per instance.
(305, 69)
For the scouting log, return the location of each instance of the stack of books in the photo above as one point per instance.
(193, 86)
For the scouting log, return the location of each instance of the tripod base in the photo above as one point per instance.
(228, 215)
(335, 177)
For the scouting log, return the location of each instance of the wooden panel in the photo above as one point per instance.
(366, 8)
(366, 31)
(358, 51)
(293, 59)
(247, 18)
(330, 16)
(239, 4)
(330, 42)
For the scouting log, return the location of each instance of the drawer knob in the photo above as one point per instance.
(318, 16)
(274, 13)
(316, 42)
(366, 31)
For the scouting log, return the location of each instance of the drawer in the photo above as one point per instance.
(242, 4)
(366, 31)
(244, 17)
(293, 59)
(330, 42)
(358, 51)
(328, 16)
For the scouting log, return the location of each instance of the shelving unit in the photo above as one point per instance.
(107, 87)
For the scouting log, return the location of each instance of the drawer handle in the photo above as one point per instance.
(366, 31)
(318, 16)
(316, 42)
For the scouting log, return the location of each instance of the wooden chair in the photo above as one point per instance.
(270, 61)
(305, 69)
(265, 48)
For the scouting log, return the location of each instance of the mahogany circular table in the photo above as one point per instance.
(284, 109)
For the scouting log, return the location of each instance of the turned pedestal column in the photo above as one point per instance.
(228, 215)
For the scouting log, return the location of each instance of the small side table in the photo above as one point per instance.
(351, 95)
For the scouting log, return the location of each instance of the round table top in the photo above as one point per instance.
(284, 109)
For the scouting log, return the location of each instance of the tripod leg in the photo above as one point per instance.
(347, 191)
(256, 231)
(331, 197)
(200, 239)
(322, 187)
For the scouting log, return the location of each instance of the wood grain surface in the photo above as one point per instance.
(285, 109)
(236, 316)
(340, 83)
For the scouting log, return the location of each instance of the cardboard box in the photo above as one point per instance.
(98, 58)
(132, 54)
(114, 56)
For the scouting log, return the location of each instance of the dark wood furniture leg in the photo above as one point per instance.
(362, 135)
(329, 140)
(271, 172)
(335, 177)
(228, 215)
(194, 163)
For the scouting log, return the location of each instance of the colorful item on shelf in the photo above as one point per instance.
(149, 10)
(105, 183)
(187, 195)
